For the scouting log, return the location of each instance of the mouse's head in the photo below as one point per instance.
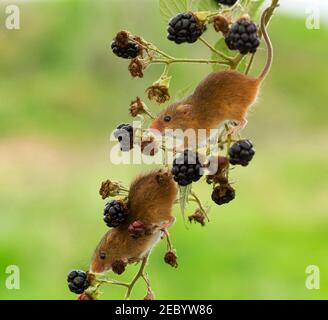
(176, 116)
(102, 259)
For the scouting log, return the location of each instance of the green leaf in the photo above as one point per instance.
(184, 193)
(207, 5)
(170, 8)
(182, 93)
(254, 8)
(222, 47)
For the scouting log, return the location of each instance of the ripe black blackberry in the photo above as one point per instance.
(115, 214)
(124, 48)
(186, 168)
(241, 152)
(77, 281)
(185, 27)
(229, 3)
(124, 134)
(243, 37)
(223, 194)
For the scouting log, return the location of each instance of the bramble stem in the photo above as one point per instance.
(220, 54)
(140, 273)
(193, 194)
(167, 236)
(179, 60)
(103, 281)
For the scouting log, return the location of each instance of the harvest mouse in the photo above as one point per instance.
(150, 201)
(222, 96)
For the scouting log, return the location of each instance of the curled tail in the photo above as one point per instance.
(268, 44)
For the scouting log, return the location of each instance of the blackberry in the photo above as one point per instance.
(185, 27)
(124, 134)
(242, 152)
(115, 214)
(229, 3)
(77, 281)
(186, 168)
(124, 48)
(243, 37)
(223, 194)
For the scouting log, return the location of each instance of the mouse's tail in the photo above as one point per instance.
(268, 44)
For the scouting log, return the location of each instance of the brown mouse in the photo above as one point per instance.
(151, 198)
(222, 96)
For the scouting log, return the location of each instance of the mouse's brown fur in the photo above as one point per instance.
(151, 199)
(223, 95)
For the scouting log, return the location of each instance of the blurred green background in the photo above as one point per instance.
(61, 94)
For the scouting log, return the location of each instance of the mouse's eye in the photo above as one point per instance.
(167, 118)
(102, 255)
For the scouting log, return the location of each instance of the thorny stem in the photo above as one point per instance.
(220, 54)
(104, 281)
(193, 194)
(178, 60)
(149, 114)
(140, 273)
(169, 59)
(167, 236)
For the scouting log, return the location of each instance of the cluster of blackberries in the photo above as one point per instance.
(125, 135)
(243, 37)
(241, 153)
(185, 27)
(124, 47)
(115, 214)
(187, 168)
(223, 194)
(77, 281)
(229, 3)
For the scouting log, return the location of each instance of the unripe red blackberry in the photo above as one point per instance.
(124, 133)
(77, 281)
(241, 153)
(115, 214)
(185, 27)
(229, 3)
(243, 36)
(187, 168)
(137, 229)
(124, 48)
(223, 194)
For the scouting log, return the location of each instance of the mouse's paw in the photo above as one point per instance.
(240, 125)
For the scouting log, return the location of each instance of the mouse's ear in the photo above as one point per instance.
(184, 108)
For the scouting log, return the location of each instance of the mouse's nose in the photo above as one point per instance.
(156, 125)
(97, 267)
